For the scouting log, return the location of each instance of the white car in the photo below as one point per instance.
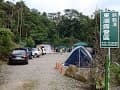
(36, 52)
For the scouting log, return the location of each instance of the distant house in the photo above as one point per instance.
(47, 47)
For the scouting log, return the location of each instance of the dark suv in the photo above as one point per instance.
(18, 55)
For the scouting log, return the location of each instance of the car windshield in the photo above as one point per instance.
(18, 52)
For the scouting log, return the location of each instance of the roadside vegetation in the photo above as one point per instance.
(6, 42)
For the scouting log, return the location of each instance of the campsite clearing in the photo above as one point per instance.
(39, 74)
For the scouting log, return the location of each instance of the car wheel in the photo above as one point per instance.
(36, 55)
(26, 63)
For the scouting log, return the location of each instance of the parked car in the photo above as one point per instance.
(29, 52)
(18, 55)
(36, 52)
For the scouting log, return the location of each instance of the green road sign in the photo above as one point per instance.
(109, 29)
(109, 38)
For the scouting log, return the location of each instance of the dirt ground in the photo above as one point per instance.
(39, 74)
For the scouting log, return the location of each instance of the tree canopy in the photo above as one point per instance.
(53, 28)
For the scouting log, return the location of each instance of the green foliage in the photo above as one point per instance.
(6, 41)
(80, 28)
(22, 43)
(115, 74)
(68, 41)
(30, 42)
(64, 29)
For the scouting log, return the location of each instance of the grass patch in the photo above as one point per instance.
(115, 74)
(2, 62)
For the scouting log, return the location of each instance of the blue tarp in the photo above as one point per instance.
(79, 57)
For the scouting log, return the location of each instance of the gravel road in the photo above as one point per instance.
(39, 74)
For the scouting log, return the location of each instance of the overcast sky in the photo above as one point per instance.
(87, 7)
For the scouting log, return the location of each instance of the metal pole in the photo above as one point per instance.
(107, 71)
(79, 58)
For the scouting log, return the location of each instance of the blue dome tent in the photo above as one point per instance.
(79, 57)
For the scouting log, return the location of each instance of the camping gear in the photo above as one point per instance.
(80, 57)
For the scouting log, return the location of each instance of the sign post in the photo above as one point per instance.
(107, 71)
(109, 37)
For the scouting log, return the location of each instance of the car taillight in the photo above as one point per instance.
(25, 56)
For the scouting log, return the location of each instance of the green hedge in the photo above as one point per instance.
(6, 42)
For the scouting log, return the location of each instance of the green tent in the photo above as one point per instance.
(80, 44)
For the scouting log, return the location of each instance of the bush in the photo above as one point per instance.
(30, 42)
(115, 74)
(6, 42)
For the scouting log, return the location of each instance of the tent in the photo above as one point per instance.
(80, 57)
(80, 44)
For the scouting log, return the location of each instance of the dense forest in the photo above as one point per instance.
(31, 27)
